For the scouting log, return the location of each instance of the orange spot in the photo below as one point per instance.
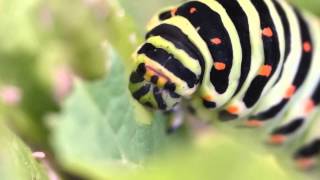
(305, 163)
(277, 139)
(265, 70)
(220, 66)
(216, 41)
(307, 47)
(233, 109)
(290, 91)
(267, 32)
(193, 10)
(309, 106)
(149, 74)
(254, 123)
(173, 11)
(208, 98)
(161, 82)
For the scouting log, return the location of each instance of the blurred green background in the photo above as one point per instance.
(63, 91)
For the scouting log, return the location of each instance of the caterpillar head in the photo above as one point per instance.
(161, 78)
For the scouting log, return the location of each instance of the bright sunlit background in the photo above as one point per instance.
(66, 113)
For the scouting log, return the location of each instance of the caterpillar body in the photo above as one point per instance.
(254, 60)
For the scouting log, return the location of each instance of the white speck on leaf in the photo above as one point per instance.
(39, 155)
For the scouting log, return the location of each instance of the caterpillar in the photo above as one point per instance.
(254, 61)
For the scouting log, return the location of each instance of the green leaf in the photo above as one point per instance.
(102, 130)
(214, 156)
(309, 5)
(16, 161)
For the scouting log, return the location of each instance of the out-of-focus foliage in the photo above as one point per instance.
(78, 28)
(99, 131)
(16, 161)
(19, 52)
(308, 5)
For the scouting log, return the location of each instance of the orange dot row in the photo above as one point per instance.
(191, 11)
(307, 47)
(216, 41)
(265, 70)
(309, 106)
(174, 11)
(219, 66)
(267, 32)
(290, 91)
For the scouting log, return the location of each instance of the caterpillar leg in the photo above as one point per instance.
(307, 155)
(178, 117)
(176, 120)
(300, 115)
(296, 121)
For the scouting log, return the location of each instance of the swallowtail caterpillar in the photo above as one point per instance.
(252, 60)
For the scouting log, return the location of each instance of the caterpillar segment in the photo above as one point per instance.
(293, 70)
(272, 36)
(299, 113)
(251, 60)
